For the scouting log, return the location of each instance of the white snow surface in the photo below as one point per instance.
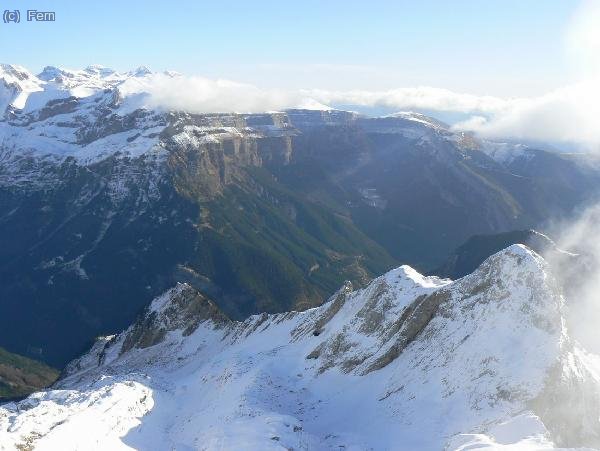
(16, 84)
(468, 380)
(505, 153)
(70, 113)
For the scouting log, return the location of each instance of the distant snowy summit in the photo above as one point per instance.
(22, 91)
(409, 362)
(96, 112)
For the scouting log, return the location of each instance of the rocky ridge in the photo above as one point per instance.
(409, 362)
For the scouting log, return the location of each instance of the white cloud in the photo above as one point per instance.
(423, 97)
(569, 114)
(200, 95)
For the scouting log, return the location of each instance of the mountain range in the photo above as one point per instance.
(106, 204)
(408, 362)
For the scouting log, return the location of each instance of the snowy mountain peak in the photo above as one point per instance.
(55, 83)
(180, 309)
(408, 362)
(15, 72)
(52, 73)
(172, 73)
(141, 71)
(16, 83)
(99, 70)
(516, 255)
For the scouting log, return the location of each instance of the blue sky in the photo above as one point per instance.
(502, 48)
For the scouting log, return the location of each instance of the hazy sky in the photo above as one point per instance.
(500, 48)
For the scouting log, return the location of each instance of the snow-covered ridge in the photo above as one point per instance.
(16, 85)
(33, 92)
(96, 112)
(506, 153)
(409, 362)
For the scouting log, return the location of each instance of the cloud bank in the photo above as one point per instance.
(569, 114)
(203, 95)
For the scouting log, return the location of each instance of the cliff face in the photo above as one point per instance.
(128, 205)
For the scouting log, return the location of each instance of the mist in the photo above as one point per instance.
(575, 263)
